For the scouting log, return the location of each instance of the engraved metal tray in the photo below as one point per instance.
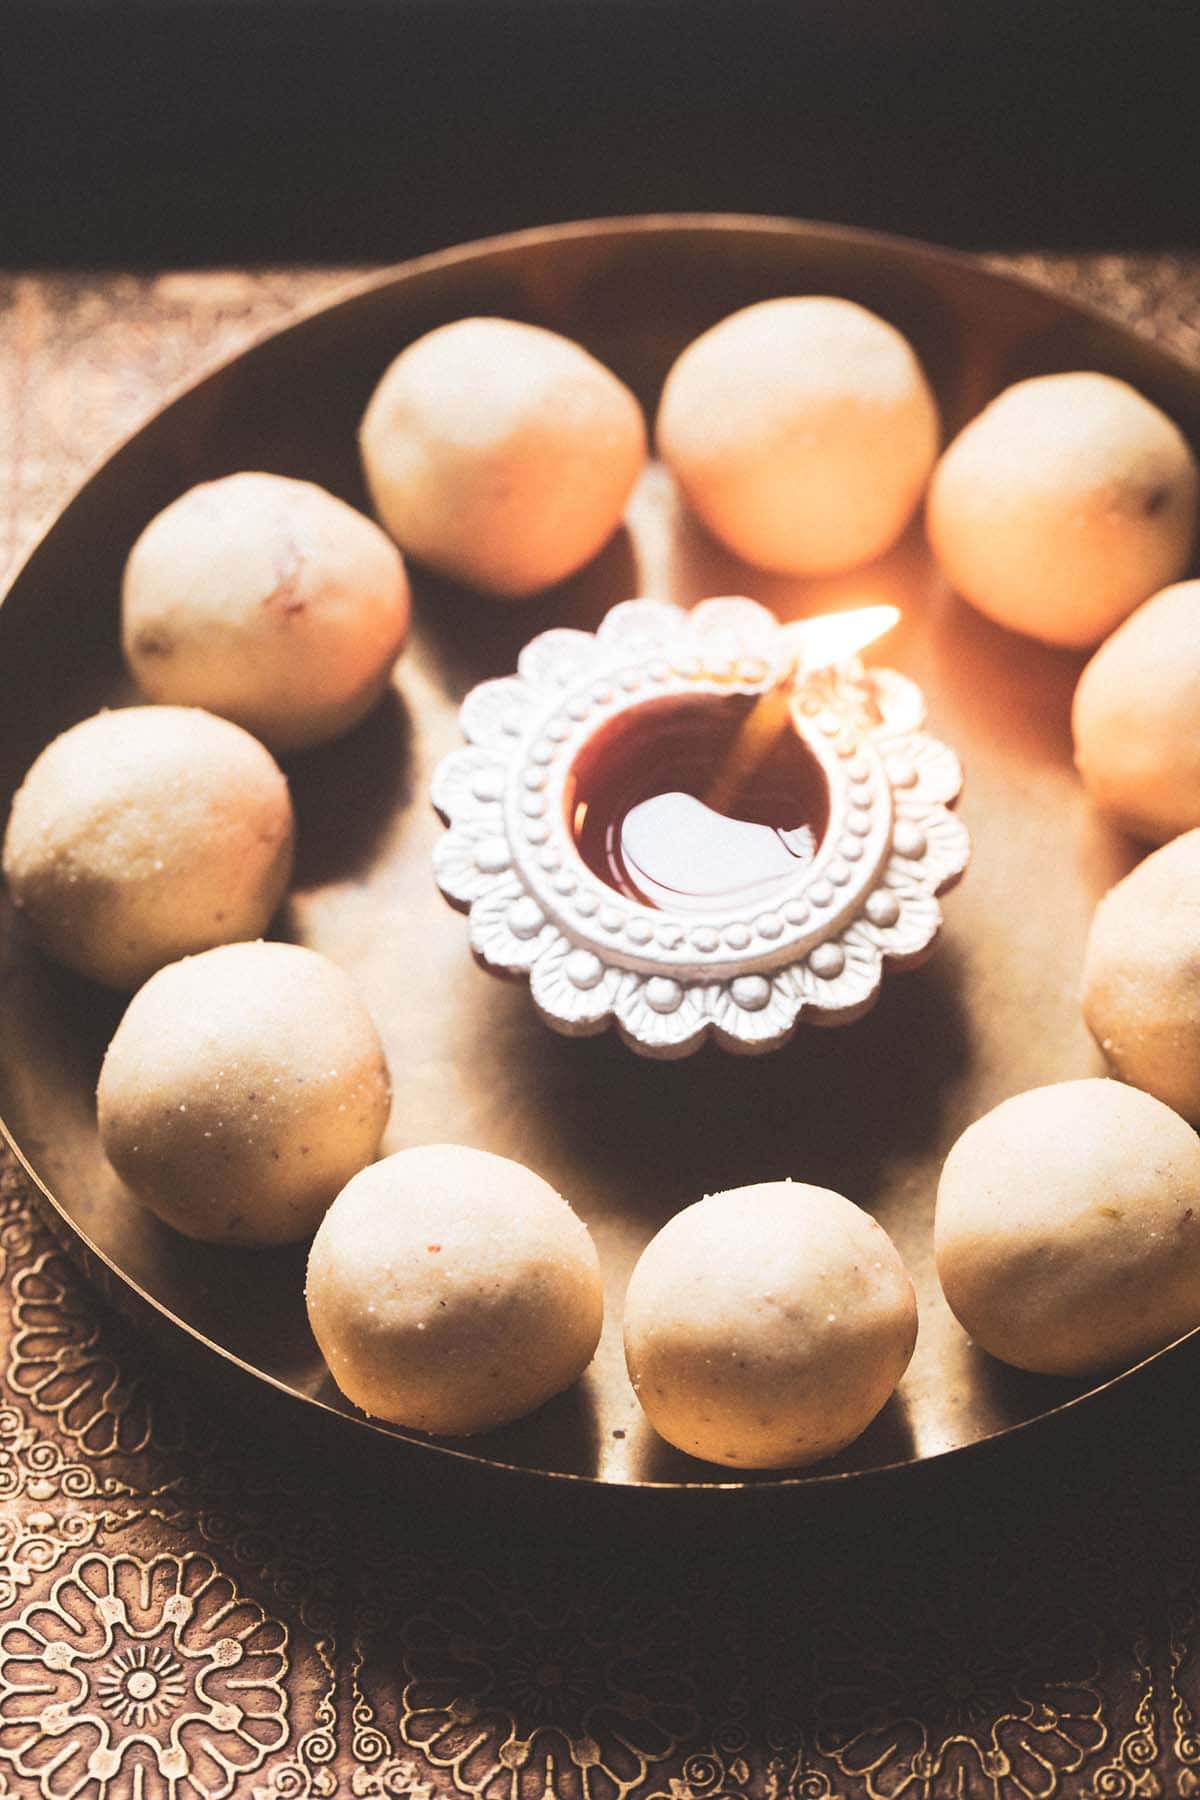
(870, 1109)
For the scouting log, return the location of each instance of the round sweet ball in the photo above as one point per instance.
(268, 601)
(1136, 717)
(1067, 1232)
(802, 432)
(1141, 976)
(142, 835)
(501, 454)
(452, 1291)
(766, 1326)
(1063, 505)
(242, 1089)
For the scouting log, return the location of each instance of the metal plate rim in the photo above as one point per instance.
(136, 1301)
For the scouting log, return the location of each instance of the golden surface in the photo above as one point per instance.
(185, 1610)
(872, 1110)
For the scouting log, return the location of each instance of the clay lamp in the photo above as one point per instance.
(700, 824)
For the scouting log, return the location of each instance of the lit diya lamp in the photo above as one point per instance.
(700, 824)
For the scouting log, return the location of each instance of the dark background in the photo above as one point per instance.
(168, 131)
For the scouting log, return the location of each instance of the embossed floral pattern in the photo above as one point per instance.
(37, 1467)
(35, 1544)
(746, 972)
(17, 1228)
(722, 1773)
(395, 1778)
(547, 1689)
(155, 1673)
(60, 1362)
(1005, 1708)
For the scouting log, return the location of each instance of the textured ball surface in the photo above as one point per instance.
(242, 1089)
(765, 1327)
(1141, 976)
(268, 601)
(1067, 1233)
(1063, 505)
(802, 431)
(1136, 717)
(501, 454)
(452, 1291)
(143, 835)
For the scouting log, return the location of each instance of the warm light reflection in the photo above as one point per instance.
(817, 644)
(837, 637)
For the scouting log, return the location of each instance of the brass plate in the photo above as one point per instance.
(870, 1109)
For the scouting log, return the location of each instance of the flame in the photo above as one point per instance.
(816, 644)
(837, 637)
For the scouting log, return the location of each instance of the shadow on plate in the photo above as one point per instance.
(561, 1435)
(470, 637)
(835, 1107)
(348, 793)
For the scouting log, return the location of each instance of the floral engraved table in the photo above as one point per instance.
(191, 1609)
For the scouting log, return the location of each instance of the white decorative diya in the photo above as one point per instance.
(603, 847)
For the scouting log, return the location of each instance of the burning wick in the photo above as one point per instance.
(818, 644)
(693, 800)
